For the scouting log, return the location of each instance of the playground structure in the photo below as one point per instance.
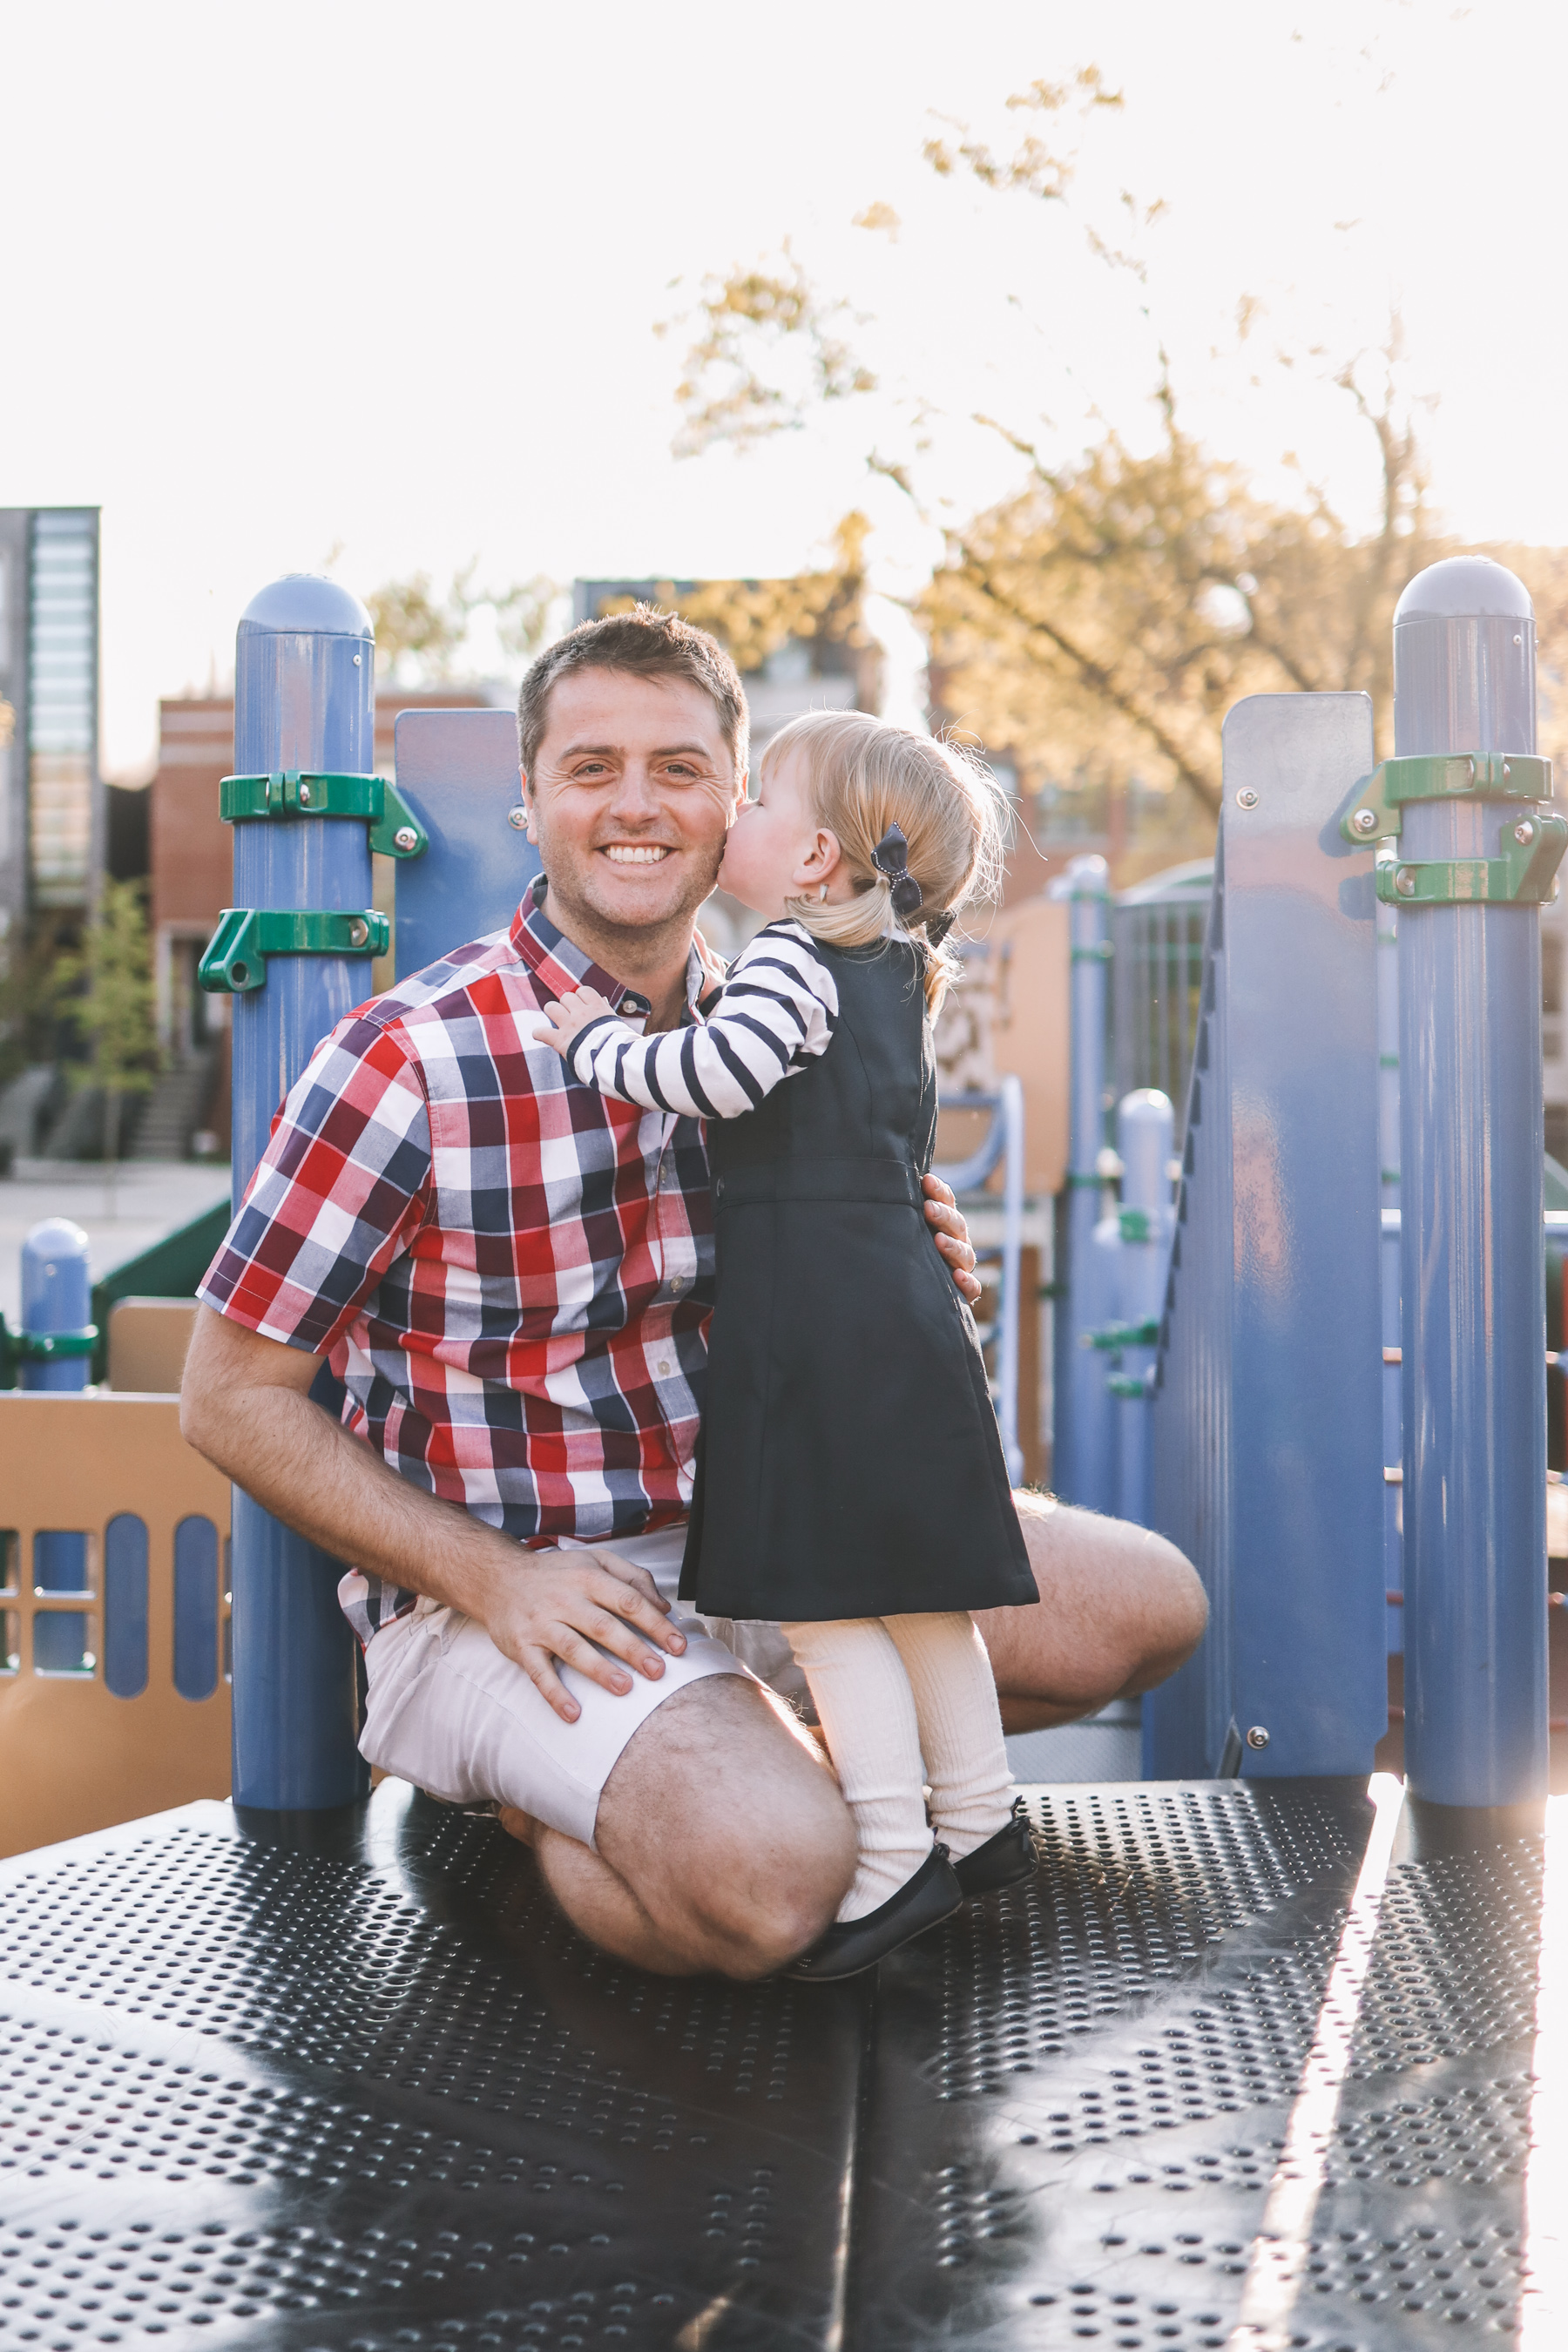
(1252, 2052)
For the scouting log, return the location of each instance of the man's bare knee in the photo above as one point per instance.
(1120, 1610)
(725, 1823)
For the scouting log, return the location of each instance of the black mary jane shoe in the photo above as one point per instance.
(851, 1945)
(1002, 1861)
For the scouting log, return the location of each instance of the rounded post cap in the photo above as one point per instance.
(57, 1237)
(1465, 588)
(302, 604)
(1145, 1107)
(1089, 874)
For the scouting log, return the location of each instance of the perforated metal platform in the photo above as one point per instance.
(361, 2088)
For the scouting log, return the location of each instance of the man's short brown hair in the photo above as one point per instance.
(643, 643)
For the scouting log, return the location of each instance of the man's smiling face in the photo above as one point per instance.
(630, 800)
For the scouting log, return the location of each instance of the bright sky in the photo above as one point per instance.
(383, 280)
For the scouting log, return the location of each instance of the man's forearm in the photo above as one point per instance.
(311, 1472)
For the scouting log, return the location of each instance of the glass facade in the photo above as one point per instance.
(62, 703)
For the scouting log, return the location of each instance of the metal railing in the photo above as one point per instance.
(1157, 933)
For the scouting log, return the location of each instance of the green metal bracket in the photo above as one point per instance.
(1461, 775)
(1101, 952)
(45, 1347)
(1114, 1336)
(395, 830)
(1132, 1385)
(41, 1348)
(236, 959)
(1136, 1224)
(1523, 874)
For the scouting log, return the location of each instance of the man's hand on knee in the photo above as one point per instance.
(558, 1605)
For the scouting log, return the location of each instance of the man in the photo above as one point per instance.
(511, 1273)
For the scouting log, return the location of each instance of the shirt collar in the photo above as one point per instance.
(556, 964)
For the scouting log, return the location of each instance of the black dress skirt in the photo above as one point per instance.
(849, 1464)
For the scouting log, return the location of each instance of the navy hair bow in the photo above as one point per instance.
(891, 859)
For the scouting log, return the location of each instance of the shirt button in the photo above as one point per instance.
(675, 1282)
(664, 1367)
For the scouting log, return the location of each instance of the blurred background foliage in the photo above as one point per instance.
(1093, 627)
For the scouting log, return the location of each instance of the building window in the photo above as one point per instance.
(62, 702)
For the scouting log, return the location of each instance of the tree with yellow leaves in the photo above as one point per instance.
(1097, 622)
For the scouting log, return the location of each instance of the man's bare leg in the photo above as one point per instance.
(723, 1843)
(1119, 1609)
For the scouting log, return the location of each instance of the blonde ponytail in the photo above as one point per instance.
(865, 775)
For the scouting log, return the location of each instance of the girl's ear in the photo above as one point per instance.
(820, 862)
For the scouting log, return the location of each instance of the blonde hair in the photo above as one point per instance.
(864, 775)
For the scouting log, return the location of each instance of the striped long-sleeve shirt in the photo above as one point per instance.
(777, 1012)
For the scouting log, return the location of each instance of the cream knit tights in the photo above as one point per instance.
(887, 1691)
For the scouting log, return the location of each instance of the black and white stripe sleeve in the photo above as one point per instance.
(777, 1010)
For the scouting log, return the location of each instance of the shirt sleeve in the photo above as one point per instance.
(777, 1010)
(339, 1192)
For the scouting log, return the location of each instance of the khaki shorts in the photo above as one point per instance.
(447, 1711)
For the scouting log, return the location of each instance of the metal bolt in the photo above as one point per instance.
(1524, 834)
(1246, 798)
(517, 818)
(359, 659)
(406, 838)
(304, 796)
(1405, 882)
(1364, 821)
(1257, 1737)
(358, 932)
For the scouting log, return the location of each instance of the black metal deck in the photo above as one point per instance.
(357, 2085)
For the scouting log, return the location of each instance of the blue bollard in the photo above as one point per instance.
(56, 1306)
(1473, 1317)
(1084, 1437)
(304, 700)
(1145, 1124)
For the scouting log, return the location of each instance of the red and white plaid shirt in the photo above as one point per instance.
(510, 1273)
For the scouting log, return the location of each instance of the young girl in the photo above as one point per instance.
(850, 1479)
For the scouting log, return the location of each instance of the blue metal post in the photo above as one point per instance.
(304, 699)
(56, 1299)
(1473, 1311)
(1388, 1160)
(1008, 1304)
(1145, 1124)
(1083, 1467)
(1393, 1434)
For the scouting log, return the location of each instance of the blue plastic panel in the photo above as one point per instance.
(125, 1605)
(458, 772)
(195, 1608)
(1268, 1446)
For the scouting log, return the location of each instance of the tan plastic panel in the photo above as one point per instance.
(147, 1342)
(1032, 961)
(73, 1758)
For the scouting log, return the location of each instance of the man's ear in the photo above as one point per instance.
(532, 805)
(738, 798)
